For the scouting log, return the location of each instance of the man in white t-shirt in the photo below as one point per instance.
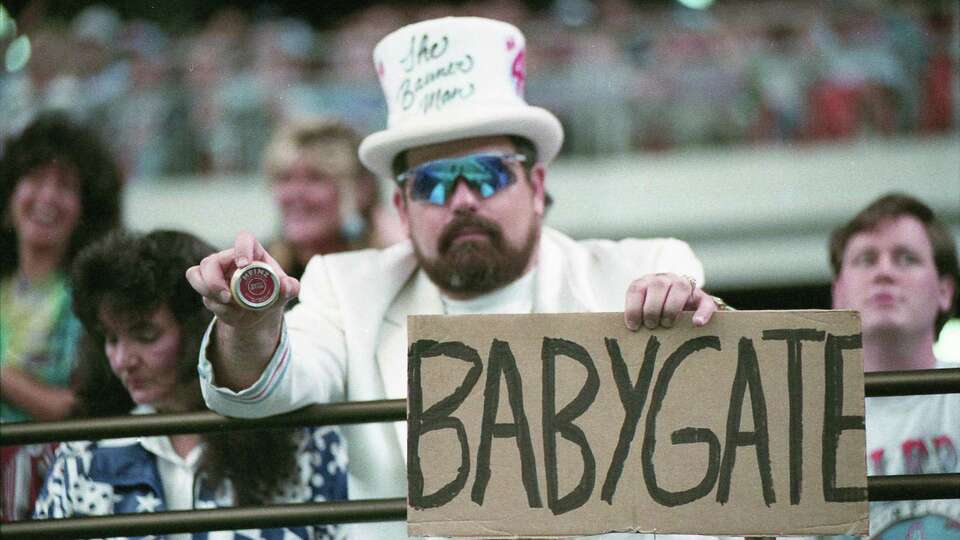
(896, 264)
(469, 158)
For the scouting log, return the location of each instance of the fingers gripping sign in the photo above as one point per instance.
(249, 261)
(657, 299)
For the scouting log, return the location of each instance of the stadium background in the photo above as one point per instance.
(748, 128)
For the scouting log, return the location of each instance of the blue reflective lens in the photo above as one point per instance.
(434, 181)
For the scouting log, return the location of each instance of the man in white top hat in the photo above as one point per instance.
(469, 157)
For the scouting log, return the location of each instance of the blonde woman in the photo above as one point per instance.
(328, 201)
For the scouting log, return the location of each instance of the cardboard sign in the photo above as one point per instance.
(569, 424)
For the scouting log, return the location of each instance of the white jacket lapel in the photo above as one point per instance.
(557, 288)
(365, 292)
(418, 297)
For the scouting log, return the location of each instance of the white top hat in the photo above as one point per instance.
(454, 78)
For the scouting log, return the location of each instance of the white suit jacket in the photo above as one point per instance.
(346, 339)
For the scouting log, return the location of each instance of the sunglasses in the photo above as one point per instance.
(434, 181)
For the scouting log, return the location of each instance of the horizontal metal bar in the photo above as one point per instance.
(877, 384)
(353, 412)
(879, 488)
(223, 519)
(913, 487)
(910, 383)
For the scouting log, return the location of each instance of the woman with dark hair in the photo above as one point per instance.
(145, 324)
(61, 190)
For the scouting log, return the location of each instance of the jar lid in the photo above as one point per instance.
(255, 286)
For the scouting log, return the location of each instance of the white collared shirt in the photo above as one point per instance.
(176, 473)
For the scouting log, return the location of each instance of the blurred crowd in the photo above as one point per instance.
(92, 102)
(620, 76)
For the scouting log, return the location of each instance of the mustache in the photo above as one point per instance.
(466, 220)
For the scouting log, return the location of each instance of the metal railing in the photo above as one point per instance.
(879, 488)
(222, 519)
(356, 412)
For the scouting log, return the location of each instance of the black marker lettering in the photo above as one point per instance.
(503, 363)
(437, 417)
(682, 436)
(425, 52)
(562, 423)
(795, 338)
(633, 398)
(748, 374)
(834, 422)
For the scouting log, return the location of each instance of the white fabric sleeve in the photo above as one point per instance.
(654, 255)
(252, 402)
(677, 257)
(308, 367)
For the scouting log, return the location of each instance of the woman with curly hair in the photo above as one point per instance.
(61, 190)
(145, 325)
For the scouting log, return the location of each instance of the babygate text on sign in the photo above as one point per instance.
(569, 424)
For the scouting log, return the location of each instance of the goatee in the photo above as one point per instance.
(478, 266)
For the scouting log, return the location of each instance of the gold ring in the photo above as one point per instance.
(721, 305)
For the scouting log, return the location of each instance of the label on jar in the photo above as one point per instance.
(255, 286)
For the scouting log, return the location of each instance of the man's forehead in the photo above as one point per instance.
(459, 147)
(896, 231)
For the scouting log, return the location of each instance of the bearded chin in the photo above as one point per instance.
(472, 267)
(478, 267)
